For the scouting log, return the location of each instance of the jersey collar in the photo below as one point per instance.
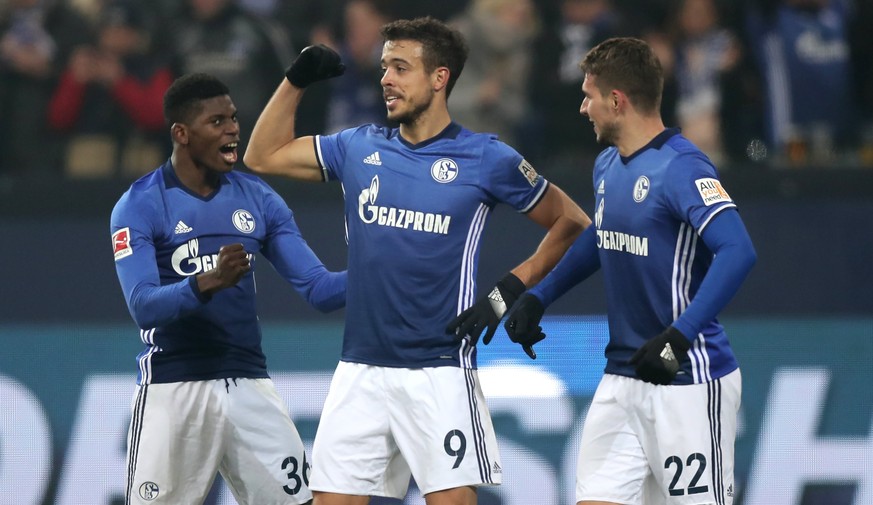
(449, 132)
(171, 180)
(656, 143)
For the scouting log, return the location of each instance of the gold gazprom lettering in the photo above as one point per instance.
(406, 219)
(623, 242)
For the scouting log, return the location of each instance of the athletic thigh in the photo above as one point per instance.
(649, 444)
(354, 451)
(441, 423)
(175, 442)
(265, 462)
(611, 464)
(688, 433)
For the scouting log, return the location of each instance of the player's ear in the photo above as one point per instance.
(179, 133)
(440, 78)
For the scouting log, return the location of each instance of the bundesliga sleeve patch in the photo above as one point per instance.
(121, 244)
(527, 170)
(711, 191)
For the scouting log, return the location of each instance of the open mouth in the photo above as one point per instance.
(228, 152)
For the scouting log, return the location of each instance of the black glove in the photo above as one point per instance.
(657, 361)
(487, 311)
(522, 325)
(314, 63)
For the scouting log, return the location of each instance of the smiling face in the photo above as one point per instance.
(599, 108)
(212, 135)
(407, 86)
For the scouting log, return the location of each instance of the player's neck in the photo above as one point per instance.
(637, 133)
(426, 126)
(197, 179)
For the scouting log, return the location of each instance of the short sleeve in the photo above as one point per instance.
(695, 194)
(509, 178)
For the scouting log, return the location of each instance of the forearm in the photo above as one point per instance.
(565, 221)
(734, 258)
(328, 292)
(580, 261)
(152, 306)
(549, 252)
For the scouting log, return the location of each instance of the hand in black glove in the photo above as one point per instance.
(523, 323)
(314, 63)
(487, 311)
(657, 361)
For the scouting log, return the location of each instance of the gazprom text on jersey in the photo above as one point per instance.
(405, 218)
(624, 242)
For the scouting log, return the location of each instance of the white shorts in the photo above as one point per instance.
(182, 433)
(382, 425)
(649, 444)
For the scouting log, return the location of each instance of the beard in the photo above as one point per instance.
(411, 115)
(608, 134)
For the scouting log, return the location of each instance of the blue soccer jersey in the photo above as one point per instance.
(163, 235)
(414, 221)
(651, 209)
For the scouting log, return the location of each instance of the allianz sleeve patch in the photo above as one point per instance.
(527, 170)
(711, 191)
(121, 244)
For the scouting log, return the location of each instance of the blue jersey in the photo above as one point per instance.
(651, 209)
(163, 235)
(414, 221)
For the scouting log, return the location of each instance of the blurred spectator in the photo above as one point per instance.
(556, 88)
(356, 98)
(492, 93)
(35, 39)
(804, 58)
(109, 99)
(705, 50)
(220, 38)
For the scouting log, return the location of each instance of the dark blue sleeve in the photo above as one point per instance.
(727, 238)
(580, 261)
(150, 304)
(292, 258)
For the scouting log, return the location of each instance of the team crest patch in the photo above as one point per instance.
(149, 491)
(243, 221)
(527, 170)
(711, 191)
(444, 170)
(641, 189)
(121, 244)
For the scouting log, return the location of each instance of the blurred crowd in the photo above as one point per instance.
(785, 83)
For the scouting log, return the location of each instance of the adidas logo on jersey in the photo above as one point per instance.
(495, 468)
(181, 228)
(373, 159)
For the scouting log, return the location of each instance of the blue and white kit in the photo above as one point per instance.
(651, 210)
(164, 235)
(414, 221)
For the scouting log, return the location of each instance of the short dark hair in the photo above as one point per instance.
(630, 65)
(442, 45)
(182, 99)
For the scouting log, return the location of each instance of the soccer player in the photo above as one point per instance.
(405, 398)
(673, 250)
(185, 238)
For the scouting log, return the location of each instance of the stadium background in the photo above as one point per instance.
(802, 327)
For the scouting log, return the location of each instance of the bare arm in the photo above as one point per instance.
(273, 148)
(564, 220)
